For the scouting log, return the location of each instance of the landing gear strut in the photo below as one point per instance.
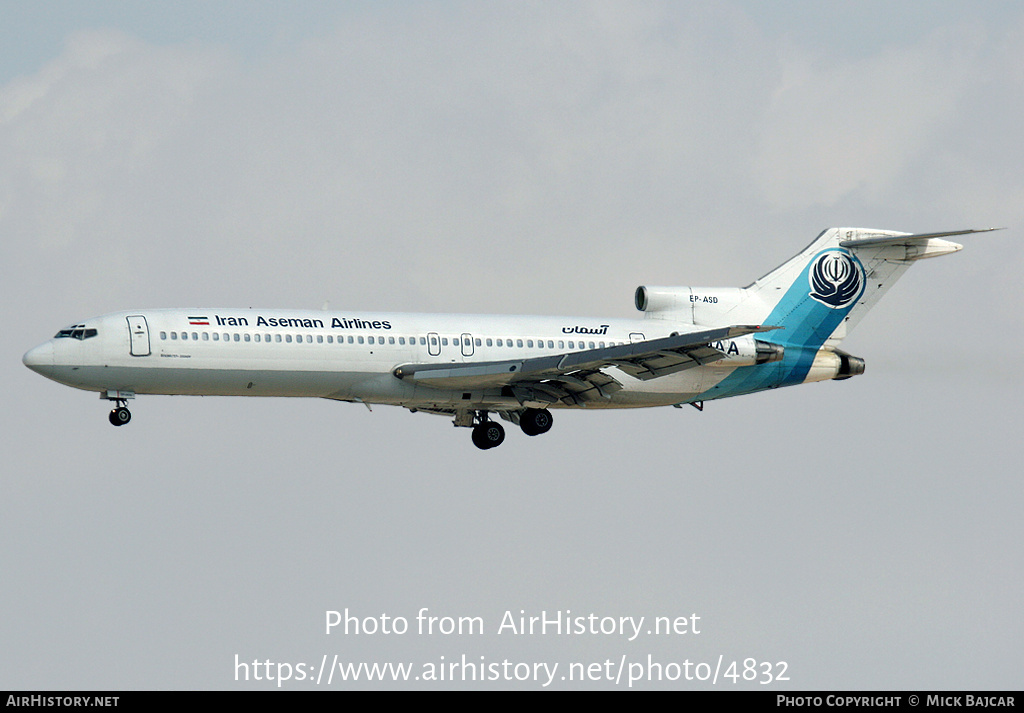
(487, 433)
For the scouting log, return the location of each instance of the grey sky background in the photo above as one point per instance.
(516, 158)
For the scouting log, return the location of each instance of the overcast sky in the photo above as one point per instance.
(512, 157)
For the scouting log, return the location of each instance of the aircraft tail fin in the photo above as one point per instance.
(816, 297)
(825, 290)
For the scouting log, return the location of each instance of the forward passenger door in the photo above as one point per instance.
(138, 331)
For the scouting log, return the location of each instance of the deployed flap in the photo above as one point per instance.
(577, 373)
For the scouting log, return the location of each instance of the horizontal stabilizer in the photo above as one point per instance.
(907, 239)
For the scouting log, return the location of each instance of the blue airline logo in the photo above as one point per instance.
(836, 279)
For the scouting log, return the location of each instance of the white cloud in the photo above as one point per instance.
(837, 126)
(421, 158)
(80, 132)
(502, 134)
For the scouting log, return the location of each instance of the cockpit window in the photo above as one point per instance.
(78, 331)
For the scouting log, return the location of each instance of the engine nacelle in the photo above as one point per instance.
(747, 351)
(848, 366)
(662, 299)
(700, 305)
(834, 364)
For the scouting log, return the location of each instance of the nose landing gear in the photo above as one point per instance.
(120, 415)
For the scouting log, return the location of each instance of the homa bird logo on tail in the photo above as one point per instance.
(835, 279)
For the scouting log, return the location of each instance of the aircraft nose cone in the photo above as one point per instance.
(39, 358)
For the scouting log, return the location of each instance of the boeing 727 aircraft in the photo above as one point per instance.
(693, 344)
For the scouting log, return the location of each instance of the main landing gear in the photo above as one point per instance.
(489, 434)
(535, 421)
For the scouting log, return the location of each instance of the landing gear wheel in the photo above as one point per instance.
(535, 421)
(488, 435)
(120, 416)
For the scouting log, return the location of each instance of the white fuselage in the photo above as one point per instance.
(693, 344)
(340, 355)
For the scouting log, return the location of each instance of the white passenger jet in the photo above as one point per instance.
(693, 344)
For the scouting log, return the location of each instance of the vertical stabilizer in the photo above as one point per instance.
(821, 293)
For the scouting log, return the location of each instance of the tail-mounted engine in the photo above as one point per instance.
(662, 299)
(705, 306)
(834, 364)
(747, 351)
(848, 366)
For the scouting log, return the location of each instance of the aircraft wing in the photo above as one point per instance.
(576, 376)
